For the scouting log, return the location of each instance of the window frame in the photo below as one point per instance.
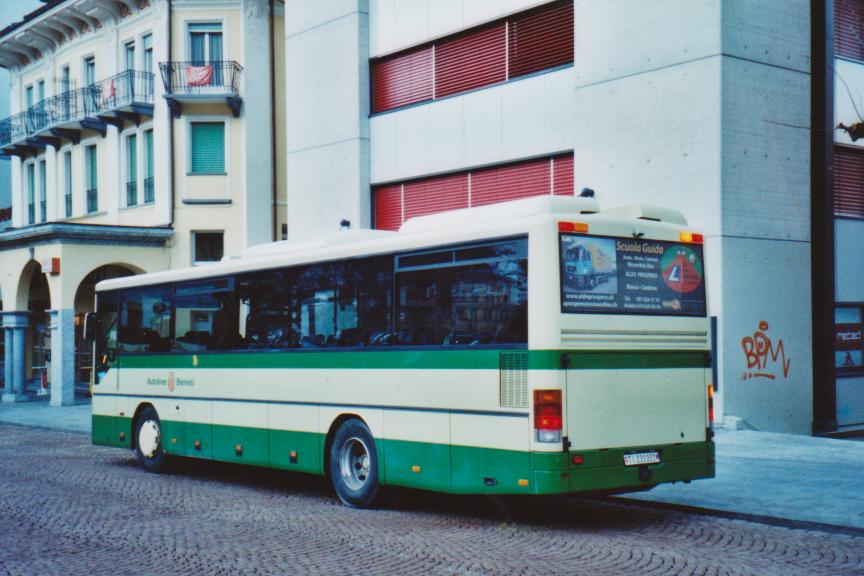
(91, 143)
(226, 124)
(193, 244)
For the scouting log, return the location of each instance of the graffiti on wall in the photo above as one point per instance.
(765, 358)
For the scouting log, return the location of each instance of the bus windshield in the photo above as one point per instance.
(606, 275)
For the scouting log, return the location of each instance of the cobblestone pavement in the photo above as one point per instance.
(67, 507)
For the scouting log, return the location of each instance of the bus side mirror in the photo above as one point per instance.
(90, 322)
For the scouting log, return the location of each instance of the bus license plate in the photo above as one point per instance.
(641, 458)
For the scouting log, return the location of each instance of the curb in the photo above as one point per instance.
(757, 518)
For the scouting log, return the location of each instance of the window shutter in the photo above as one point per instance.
(848, 183)
(92, 171)
(503, 183)
(148, 152)
(436, 195)
(208, 148)
(562, 181)
(848, 29)
(471, 60)
(388, 207)
(402, 79)
(131, 158)
(541, 38)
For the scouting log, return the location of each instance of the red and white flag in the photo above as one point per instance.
(199, 75)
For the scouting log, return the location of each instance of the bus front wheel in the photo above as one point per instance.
(354, 465)
(148, 440)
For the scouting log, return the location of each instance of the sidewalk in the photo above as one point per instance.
(797, 478)
(762, 474)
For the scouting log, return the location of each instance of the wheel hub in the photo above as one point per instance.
(354, 463)
(148, 438)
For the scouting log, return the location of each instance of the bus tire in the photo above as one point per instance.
(148, 440)
(354, 465)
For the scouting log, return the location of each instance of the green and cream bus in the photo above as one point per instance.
(459, 355)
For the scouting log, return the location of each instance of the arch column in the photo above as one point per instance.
(15, 326)
(62, 357)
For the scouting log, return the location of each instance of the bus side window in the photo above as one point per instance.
(363, 301)
(479, 296)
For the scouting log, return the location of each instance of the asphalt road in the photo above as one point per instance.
(67, 507)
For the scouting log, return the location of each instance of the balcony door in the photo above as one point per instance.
(205, 55)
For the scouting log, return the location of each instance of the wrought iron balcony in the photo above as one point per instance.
(202, 82)
(122, 97)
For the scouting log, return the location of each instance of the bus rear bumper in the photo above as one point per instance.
(604, 470)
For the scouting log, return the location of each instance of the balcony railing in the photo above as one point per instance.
(128, 90)
(191, 81)
(131, 193)
(92, 200)
(148, 190)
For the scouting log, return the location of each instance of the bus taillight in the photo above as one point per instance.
(547, 415)
(710, 405)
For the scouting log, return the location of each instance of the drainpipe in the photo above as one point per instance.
(273, 176)
(171, 114)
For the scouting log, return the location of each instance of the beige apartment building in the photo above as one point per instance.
(141, 140)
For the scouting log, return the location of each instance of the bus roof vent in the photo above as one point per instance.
(286, 246)
(535, 206)
(646, 212)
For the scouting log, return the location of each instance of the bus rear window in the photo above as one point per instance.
(604, 275)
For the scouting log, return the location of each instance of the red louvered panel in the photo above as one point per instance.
(471, 60)
(562, 183)
(388, 207)
(503, 183)
(848, 183)
(402, 79)
(848, 28)
(541, 39)
(436, 195)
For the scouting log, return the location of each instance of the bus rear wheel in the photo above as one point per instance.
(354, 465)
(148, 440)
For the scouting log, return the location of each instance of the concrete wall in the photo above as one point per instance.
(327, 124)
(703, 106)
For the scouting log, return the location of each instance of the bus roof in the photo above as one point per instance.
(497, 220)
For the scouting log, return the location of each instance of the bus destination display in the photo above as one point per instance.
(631, 276)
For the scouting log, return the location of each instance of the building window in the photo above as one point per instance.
(131, 170)
(849, 29)
(205, 43)
(525, 43)
(207, 247)
(91, 175)
(207, 148)
(31, 193)
(129, 55)
(89, 70)
(148, 167)
(43, 191)
(848, 183)
(28, 96)
(67, 182)
(395, 203)
(147, 43)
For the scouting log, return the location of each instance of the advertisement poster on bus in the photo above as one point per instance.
(631, 276)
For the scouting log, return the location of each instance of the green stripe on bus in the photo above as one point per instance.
(420, 359)
(429, 466)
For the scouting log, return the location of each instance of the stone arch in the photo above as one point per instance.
(30, 272)
(86, 288)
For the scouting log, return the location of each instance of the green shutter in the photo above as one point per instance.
(208, 148)
(148, 150)
(131, 158)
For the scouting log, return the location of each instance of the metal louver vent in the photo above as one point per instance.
(513, 390)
